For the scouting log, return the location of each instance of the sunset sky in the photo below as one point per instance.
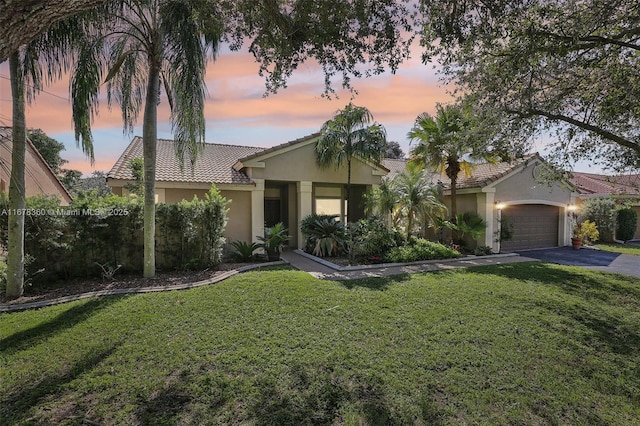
(238, 113)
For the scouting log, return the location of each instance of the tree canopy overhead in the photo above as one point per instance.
(347, 38)
(567, 65)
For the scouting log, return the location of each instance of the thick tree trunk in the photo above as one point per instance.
(149, 147)
(23, 20)
(15, 256)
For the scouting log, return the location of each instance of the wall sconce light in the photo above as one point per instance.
(500, 206)
(572, 211)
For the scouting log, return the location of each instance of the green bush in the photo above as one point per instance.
(372, 238)
(601, 211)
(73, 241)
(627, 223)
(482, 251)
(420, 249)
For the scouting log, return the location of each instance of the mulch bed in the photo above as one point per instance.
(78, 286)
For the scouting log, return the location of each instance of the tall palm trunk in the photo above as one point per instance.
(348, 195)
(15, 257)
(149, 147)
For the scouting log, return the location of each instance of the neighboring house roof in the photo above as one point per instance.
(213, 165)
(603, 185)
(39, 178)
(482, 174)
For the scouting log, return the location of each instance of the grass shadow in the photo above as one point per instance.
(375, 283)
(16, 405)
(569, 279)
(65, 320)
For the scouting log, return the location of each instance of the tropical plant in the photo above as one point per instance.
(382, 201)
(446, 142)
(245, 252)
(627, 223)
(325, 236)
(469, 224)
(38, 62)
(351, 132)
(417, 199)
(273, 240)
(144, 47)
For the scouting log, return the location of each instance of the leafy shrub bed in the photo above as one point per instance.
(97, 233)
(420, 249)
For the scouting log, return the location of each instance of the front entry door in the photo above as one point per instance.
(272, 213)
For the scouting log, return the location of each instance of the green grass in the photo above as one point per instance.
(620, 248)
(524, 343)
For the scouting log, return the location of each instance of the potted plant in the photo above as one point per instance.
(584, 232)
(273, 240)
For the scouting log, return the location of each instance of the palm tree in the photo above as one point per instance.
(146, 46)
(446, 143)
(41, 61)
(350, 133)
(417, 198)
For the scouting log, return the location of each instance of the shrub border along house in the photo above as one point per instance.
(95, 233)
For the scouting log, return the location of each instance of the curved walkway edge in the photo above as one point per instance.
(5, 308)
(322, 269)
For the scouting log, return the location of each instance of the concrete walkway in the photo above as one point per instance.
(328, 271)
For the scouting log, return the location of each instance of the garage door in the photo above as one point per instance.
(534, 226)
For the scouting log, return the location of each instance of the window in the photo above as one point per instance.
(330, 200)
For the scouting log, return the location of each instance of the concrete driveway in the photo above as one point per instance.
(588, 258)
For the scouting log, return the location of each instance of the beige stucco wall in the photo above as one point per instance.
(239, 225)
(523, 186)
(299, 164)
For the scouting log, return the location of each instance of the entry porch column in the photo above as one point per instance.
(257, 209)
(305, 205)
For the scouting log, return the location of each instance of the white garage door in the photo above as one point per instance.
(534, 226)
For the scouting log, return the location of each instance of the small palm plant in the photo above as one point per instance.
(273, 240)
(245, 252)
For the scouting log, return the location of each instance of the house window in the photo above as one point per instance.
(330, 200)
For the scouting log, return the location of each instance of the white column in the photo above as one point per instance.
(257, 209)
(487, 211)
(305, 205)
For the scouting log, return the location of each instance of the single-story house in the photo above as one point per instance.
(265, 186)
(623, 188)
(284, 183)
(39, 178)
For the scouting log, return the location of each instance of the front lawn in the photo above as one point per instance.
(524, 343)
(632, 249)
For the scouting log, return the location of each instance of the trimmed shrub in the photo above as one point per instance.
(627, 223)
(420, 249)
(601, 211)
(97, 233)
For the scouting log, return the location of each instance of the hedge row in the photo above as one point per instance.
(71, 242)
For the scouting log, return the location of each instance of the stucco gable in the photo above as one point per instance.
(39, 178)
(257, 160)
